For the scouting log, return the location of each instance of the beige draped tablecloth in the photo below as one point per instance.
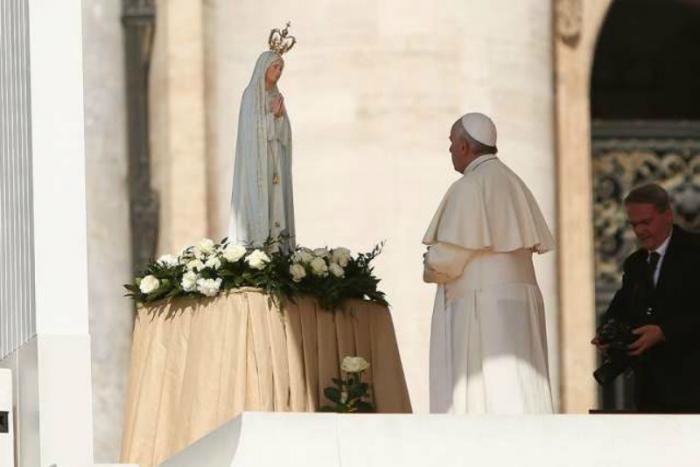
(196, 363)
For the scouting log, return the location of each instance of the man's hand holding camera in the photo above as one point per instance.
(620, 343)
(649, 336)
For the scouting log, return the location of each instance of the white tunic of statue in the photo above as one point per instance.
(488, 346)
(262, 204)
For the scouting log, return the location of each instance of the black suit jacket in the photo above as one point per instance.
(667, 376)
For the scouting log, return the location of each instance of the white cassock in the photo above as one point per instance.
(488, 345)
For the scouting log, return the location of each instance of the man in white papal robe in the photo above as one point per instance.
(488, 345)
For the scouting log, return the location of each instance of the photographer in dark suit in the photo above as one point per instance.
(659, 299)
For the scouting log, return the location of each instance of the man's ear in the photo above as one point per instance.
(668, 215)
(463, 146)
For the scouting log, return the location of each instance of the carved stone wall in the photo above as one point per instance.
(622, 162)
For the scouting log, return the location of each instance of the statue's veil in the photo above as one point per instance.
(249, 222)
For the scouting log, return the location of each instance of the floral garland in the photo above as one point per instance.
(209, 268)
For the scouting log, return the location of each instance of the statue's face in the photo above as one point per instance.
(651, 227)
(274, 72)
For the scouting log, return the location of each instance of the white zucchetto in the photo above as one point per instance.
(480, 127)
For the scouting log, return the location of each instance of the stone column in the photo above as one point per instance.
(577, 24)
(177, 117)
(51, 364)
(109, 243)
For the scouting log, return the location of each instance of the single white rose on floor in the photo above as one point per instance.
(297, 271)
(319, 267)
(189, 281)
(149, 284)
(336, 270)
(257, 259)
(341, 256)
(303, 255)
(204, 247)
(233, 253)
(195, 264)
(168, 260)
(208, 287)
(213, 263)
(322, 252)
(354, 364)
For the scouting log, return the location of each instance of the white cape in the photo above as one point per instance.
(490, 208)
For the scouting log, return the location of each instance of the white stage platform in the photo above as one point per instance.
(330, 440)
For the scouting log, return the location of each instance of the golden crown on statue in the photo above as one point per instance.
(280, 42)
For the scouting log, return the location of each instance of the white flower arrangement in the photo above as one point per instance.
(257, 259)
(206, 269)
(319, 267)
(195, 264)
(149, 284)
(341, 256)
(208, 287)
(168, 260)
(204, 247)
(297, 271)
(233, 253)
(213, 263)
(336, 270)
(189, 281)
(303, 255)
(322, 252)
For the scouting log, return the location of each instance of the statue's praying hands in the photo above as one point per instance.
(278, 105)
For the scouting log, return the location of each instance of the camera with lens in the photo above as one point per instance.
(617, 335)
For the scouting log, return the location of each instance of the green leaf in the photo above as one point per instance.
(364, 407)
(333, 394)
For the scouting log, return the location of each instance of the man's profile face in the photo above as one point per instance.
(650, 226)
(457, 150)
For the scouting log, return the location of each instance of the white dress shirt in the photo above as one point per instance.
(661, 250)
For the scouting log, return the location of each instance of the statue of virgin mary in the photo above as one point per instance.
(262, 204)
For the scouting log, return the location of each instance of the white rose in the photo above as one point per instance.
(149, 284)
(168, 260)
(341, 256)
(195, 264)
(213, 263)
(303, 255)
(204, 247)
(354, 365)
(297, 271)
(319, 267)
(189, 281)
(257, 259)
(322, 252)
(336, 270)
(208, 287)
(233, 253)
